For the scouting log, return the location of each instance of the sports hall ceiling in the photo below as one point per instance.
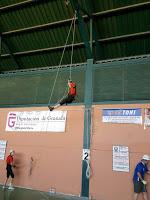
(34, 32)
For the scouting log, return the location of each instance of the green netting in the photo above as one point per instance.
(128, 82)
(137, 83)
(117, 81)
(36, 88)
(107, 84)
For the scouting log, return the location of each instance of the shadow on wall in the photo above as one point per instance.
(24, 166)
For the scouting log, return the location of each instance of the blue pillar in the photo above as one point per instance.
(88, 99)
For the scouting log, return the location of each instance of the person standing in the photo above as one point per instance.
(9, 166)
(138, 178)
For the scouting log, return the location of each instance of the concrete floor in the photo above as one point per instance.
(25, 194)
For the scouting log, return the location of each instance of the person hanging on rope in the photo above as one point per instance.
(69, 98)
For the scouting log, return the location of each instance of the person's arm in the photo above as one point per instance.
(142, 180)
(139, 175)
(12, 164)
(148, 172)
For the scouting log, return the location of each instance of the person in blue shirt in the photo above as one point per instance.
(138, 178)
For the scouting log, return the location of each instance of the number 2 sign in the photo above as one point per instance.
(86, 154)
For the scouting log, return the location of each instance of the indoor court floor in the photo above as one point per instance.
(25, 194)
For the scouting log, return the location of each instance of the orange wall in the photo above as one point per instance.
(106, 184)
(57, 157)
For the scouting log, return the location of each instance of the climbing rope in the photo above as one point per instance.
(88, 168)
(88, 173)
(59, 66)
(73, 36)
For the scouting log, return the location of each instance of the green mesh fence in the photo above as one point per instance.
(128, 82)
(123, 81)
(35, 88)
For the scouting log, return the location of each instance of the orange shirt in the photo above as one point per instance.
(9, 160)
(72, 89)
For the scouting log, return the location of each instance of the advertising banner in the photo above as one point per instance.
(38, 121)
(130, 116)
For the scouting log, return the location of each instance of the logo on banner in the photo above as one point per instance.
(12, 119)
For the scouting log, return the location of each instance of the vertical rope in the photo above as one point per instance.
(60, 62)
(72, 49)
(88, 110)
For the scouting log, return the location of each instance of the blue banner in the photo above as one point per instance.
(122, 115)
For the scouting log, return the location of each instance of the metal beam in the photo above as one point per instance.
(28, 2)
(38, 27)
(126, 36)
(22, 53)
(19, 5)
(93, 32)
(104, 40)
(11, 54)
(15, 5)
(9, 50)
(102, 13)
(82, 28)
(88, 99)
(0, 45)
(121, 9)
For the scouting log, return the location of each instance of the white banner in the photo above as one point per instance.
(41, 121)
(121, 158)
(3, 144)
(147, 118)
(129, 116)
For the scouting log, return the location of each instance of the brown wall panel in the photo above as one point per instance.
(57, 157)
(106, 183)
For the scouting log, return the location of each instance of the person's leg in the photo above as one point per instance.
(51, 108)
(137, 189)
(62, 101)
(5, 182)
(7, 176)
(11, 184)
(144, 192)
(65, 100)
(11, 180)
(70, 99)
(145, 195)
(56, 106)
(136, 196)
